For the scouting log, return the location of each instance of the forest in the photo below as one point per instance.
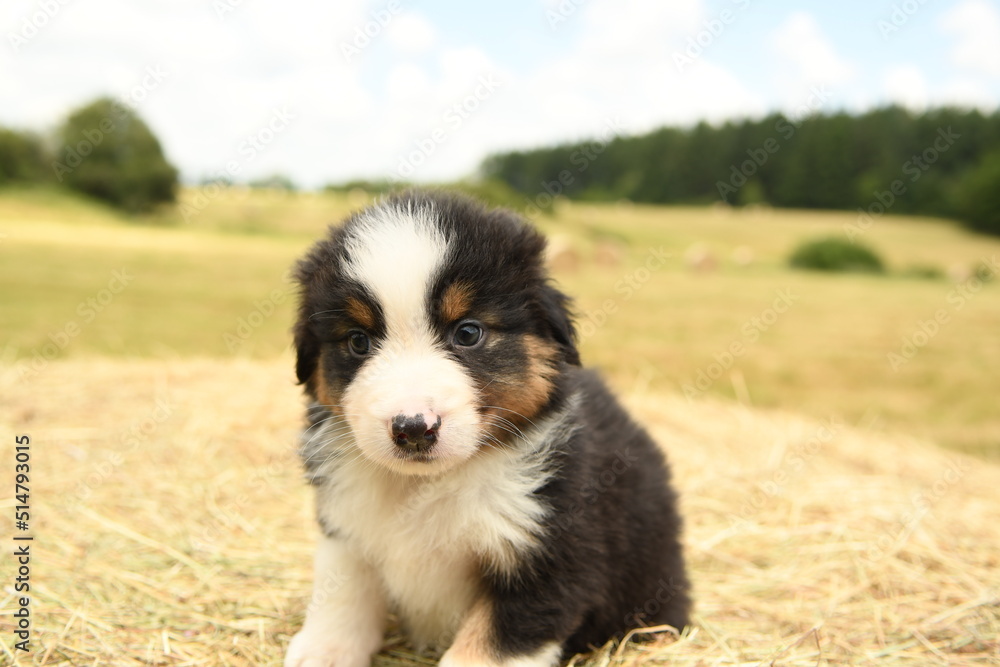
(942, 162)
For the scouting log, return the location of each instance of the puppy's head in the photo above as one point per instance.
(428, 326)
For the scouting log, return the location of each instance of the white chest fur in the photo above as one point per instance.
(430, 537)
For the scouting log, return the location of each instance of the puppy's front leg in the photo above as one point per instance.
(476, 645)
(345, 622)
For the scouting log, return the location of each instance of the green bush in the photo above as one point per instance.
(491, 191)
(836, 254)
(108, 152)
(275, 182)
(372, 187)
(22, 158)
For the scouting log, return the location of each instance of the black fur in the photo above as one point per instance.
(612, 542)
(610, 557)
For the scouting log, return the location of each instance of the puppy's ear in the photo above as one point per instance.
(306, 350)
(307, 344)
(314, 273)
(558, 318)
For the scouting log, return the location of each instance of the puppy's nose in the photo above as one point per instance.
(415, 433)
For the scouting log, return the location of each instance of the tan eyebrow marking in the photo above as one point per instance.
(456, 301)
(360, 312)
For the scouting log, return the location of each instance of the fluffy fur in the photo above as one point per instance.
(469, 475)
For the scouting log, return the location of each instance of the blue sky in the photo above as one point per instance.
(265, 87)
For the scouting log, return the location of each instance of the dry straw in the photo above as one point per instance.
(173, 528)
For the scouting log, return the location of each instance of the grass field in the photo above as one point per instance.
(215, 285)
(825, 522)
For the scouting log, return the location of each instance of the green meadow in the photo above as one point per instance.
(695, 301)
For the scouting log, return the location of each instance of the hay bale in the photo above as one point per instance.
(609, 253)
(700, 258)
(561, 255)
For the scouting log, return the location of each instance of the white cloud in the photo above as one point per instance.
(976, 27)
(800, 41)
(622, 67)
(637, 27)
(411, 33)
(225, 77)
(406, 82)
(969, 93)
(906, 85)
(461, 67)
(616, 72)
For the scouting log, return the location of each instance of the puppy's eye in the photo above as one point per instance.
(468, 334)
(359, 343)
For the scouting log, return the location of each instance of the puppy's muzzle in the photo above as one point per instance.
(415, 433)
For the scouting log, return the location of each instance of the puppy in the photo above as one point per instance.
(470, 477)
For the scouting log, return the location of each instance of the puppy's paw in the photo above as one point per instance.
(315, 649)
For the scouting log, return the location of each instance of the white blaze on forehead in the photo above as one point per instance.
(396, 251)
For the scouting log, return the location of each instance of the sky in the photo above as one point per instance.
(423, 90)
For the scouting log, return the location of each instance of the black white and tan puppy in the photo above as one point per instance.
(470, 477)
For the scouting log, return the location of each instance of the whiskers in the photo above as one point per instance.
(330, 441)
(501, 423)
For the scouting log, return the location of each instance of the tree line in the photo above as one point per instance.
(942, 162)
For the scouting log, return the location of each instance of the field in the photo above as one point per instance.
(838, 509)
(215, 285)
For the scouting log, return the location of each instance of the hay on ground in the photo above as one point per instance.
(172, 527)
